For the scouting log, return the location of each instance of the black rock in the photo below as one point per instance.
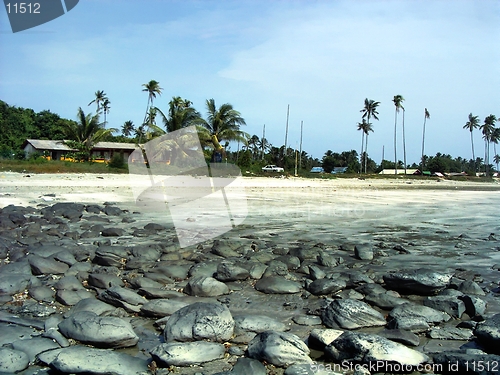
(106, 332)
(279, 348)
(351, 314)
(200, 321)
(419, 281)
(488, 334)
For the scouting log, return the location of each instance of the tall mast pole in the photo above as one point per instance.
(263, 139)
(300, 154)
(286, 132)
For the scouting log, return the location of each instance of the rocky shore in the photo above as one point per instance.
(100, 288)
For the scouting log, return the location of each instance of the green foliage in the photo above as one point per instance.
(245, 159)
(117, 161)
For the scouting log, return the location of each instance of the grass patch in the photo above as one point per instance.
(56, 166)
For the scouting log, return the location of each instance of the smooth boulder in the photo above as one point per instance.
(351, 314)
(200, 321)
(281, 349)
(108, 332)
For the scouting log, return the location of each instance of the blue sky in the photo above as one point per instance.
(323, 58)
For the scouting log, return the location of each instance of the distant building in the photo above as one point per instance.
(57, 150)
(400, 171)
(339, 170)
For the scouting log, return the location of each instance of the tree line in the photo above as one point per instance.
(221, 128)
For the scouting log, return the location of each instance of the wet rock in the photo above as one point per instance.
(418, 281)
(471, 287)
(257, 324)
(401, 336)
(162, 307)
(450, 333)
(112, 232)
(187, 353)
(92, 305)
(93, 209)
(307, 320)
(231, 272)
(14, 283)
(43, 266)
(112, 211)
(246, 366)
(72, 297)
(414, 318)
(488, 333)
(34, 346)
(225, 249)
(386, 301)
(123, 297)
(203, 286)
(363, 252)
(316, 273)
(277, 285)
(12, 332)
(366, 348)
(351, 314)
(110, 256)
(200, 321)
(12, 360)
(42, 293)
(107, 332)
(278, 348)
(51, 330)
(76, 360)
(326, 286)
(104, 281)
(474, 306)
(319, 338)
(450, 305)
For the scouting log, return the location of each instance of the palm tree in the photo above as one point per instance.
(361, 126)
(487, 129)
(152, 88)
(85, 133)
(222, 123)
(369, 110)
(105, 108)
(180, 114)
(426, 116)
(495, 138)
(127, 128)
(472, 124)
(100, 96)
(398, 99)
(496, 159)
(367, 128)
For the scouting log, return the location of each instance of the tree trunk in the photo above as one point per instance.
(361, 155)
(423, 144)
(395, 141)
(404, 140)
(473, 156)
(366, 152)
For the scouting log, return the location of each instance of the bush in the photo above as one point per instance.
(117, 161)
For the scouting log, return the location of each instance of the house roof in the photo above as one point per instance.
(42, 144)
(115, 146)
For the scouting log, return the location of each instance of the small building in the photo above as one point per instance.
(57, 150)
(399, 171)
(337, 170)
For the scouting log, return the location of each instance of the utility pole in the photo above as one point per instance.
(286, 131)
(296, 160)
(300, 154)
(263, 139)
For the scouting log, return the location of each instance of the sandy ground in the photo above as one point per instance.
(442, 225)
